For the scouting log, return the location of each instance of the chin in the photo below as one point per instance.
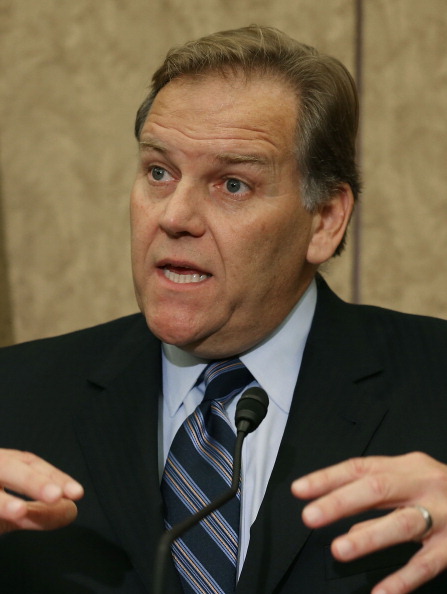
(171, 332)
(196, 344)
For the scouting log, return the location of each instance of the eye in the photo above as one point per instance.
(159, 173)
(236, 186)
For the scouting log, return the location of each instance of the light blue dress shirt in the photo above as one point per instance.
(275, 364)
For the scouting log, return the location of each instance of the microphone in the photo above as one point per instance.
(251, 409)
(250, 412)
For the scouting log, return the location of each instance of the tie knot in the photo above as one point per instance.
(224, 379)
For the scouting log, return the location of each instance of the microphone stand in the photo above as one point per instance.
(170, 535)
(250, 411)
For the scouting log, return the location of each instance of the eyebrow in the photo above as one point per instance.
(152, 143)
(227, 158)
(235, 158)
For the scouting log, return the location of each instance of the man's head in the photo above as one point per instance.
(224, 243)
(327, 122)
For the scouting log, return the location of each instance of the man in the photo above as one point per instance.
(245, 186)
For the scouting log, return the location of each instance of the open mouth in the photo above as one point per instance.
(178, 274)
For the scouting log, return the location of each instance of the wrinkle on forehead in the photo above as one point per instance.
(240, 136)
(256, 115)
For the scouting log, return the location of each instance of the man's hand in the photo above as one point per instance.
(53, 493)
(399, 483)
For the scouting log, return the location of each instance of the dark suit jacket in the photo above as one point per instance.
(371, 382)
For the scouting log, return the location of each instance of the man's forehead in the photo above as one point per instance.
(247, 122)
(235, 85)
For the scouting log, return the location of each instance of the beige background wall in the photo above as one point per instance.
(72, 76)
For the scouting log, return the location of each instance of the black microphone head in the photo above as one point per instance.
(251, 409)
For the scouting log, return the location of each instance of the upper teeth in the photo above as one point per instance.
(184, 278)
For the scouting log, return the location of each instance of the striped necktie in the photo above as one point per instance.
(199, 469)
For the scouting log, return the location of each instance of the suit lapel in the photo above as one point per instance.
(337, 407)
(118, 434)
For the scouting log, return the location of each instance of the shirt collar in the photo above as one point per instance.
(275, 362)
(180, 373)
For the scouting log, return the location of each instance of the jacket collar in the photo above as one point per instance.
(118, 433)
(337, 406)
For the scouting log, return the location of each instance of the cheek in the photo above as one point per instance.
(142, 225)
(277, 238)
(283, 249)
(138, 208)
(137, 239)
(140, 246)
(253, 256)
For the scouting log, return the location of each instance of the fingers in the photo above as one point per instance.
(402, 525)
(52, 490)
(320, 482)
(323, 481)
(361, 484)
(342, 491)
(41, 516)
(35, 478)
(414, 485)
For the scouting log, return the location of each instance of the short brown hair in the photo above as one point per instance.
(326, 92)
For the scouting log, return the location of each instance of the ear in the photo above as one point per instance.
(329, 225)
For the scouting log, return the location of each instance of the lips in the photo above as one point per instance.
(183, 274)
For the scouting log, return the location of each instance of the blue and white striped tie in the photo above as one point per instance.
(199, 469)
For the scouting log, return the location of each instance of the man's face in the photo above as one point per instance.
(219, 233)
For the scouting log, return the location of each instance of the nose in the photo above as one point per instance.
(182, 212)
